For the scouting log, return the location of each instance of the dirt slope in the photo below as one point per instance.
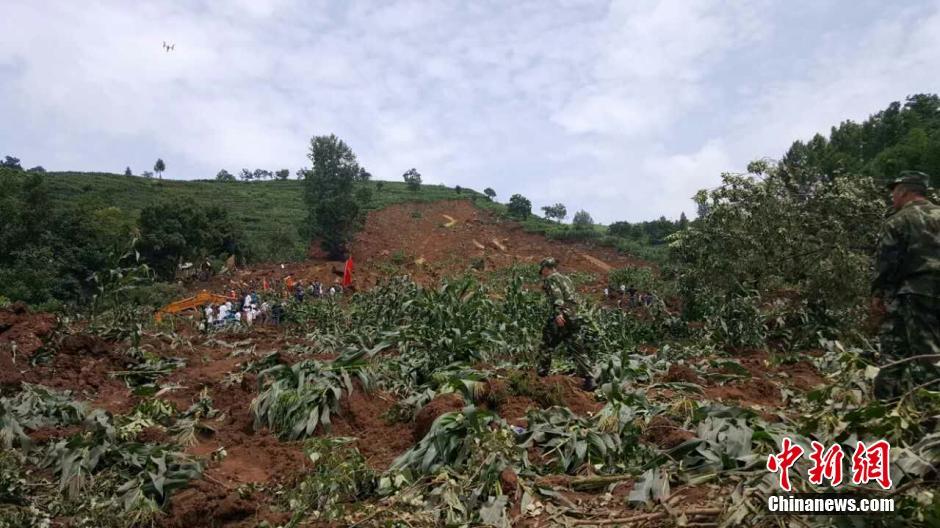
(432, 240)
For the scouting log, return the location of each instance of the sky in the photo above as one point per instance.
(623, 109)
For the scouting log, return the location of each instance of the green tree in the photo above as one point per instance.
(900, 137)
(683, 221)
(557, 211)
(333, 212)
(159, 167)
(363, 176)
(173, 232)
(11, 163)
(412, 178)
(127, 172)
(519, 206)
(582, 220)
(490, 193)
(763, 236)
(458, 189)
(147, 174)
(47, 253)
(224, 176)
(282, 174)
(37, 168)
(246, 175)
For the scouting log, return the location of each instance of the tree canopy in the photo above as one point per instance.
(171, 233)
(582, 219)
(224, 176)
(334, 213)
(412, 178)
(557, 211)
(520, 206)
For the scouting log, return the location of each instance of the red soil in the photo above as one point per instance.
(665, 433)
(423, 248)
(579, 401)
(362, 416)
(682, 373)
(442, 404)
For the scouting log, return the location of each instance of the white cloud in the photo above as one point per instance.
(623, 108)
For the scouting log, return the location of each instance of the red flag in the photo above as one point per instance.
(347, 272)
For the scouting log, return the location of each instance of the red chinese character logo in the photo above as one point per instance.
(826, 466)
(783, 461)
(872, 463)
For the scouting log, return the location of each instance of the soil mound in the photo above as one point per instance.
(21, 335)
(363, 416)
(441, 404)
(682, 373)
(579, 401)
(665, 433)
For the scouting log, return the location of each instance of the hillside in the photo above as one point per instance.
(264, 209)
(434, 240)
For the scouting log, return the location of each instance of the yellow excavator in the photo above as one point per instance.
(190, 303)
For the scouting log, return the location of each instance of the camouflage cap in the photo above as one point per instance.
(548, 262)
(911, 178)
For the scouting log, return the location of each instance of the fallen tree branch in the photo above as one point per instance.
(908, 360)
(597, 482)
(644, 517)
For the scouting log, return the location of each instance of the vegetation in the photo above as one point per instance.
(557, 211)
(582, 220)
(412, 179)
(159, 167)
(900, 137)
(47, 253)
(334, 214)
(774, 267)
(174, 233)
(519, 206)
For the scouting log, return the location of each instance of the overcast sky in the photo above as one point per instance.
(624, 109)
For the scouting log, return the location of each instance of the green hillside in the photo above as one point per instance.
(266, 210)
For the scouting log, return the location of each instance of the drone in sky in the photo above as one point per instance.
(168, 47)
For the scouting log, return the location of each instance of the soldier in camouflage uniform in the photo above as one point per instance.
(563, 325)
(906, 286)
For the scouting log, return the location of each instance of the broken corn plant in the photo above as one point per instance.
(297, 399)
(570, 441)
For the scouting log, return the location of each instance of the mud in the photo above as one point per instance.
(579, 401)
(441, 404)
(24, 329)
(665, 433)
(514, 409)
(682, 373)
(206, 503)
(363, 417)
(411, 238)
(752, 392)
(804, 375)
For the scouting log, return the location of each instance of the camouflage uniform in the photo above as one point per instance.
(562, 300)
(907, 278)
